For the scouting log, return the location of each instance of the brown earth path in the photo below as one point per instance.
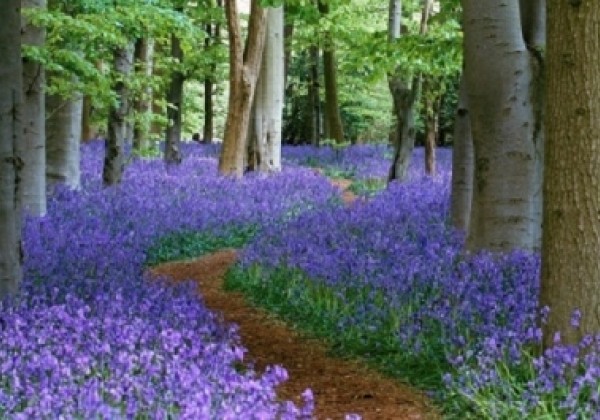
(340, 386)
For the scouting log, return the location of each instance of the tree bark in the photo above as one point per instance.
(404, 91)
(63, 140)
(114, 160)
(11, 133)
(213, 37)
(268, 101)
(32, 148)
(175, 106)
(142, 58)
(244, 67)
(462, 163)
(499, 75)
(571, 238)
(314, 99)
(334, 128)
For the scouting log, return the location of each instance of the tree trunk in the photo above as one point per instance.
(142, 58)
(32, 192)
(571, 238)
(114, 160)
(213, 37)
(462, 163)
(499, 75)
(268, 101)
(244, 67)
(314, 99)
(11, 133)
(88, 132)
(404, 93)
(334, 128)
(63, 140)
(175, 106)
(432, 105)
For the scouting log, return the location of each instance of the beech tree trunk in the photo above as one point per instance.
(314, 99)
(244, 67)
(114, 160)
(11, 133)
(571, 238)
(268, 101)
(213, 37)
(462, 163)
(63, 140)
(432, 106)
(334, 128)
(404, 91)
(500, 78)
(143, 61)
(174, 107)
(32, 149)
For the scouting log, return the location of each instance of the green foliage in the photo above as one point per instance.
(319, 310)
(368, 187)
(190, 244)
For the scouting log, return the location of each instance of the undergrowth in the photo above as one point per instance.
(188, 244)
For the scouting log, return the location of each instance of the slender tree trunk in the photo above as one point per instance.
(142, 58)
(462, 163)
(404, 91)
(11, 133)
(334, 128)
(432, 105)
(88, 132)
(244, 67)
(268, 101)
(500, 77)
(314, 99)
(159, 92)
(213, 38)
(571, 238)
(175, 107)
(63, 140)
(32, 149)
(114, 160)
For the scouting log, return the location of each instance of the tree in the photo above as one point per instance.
(142, 105)
(502, 66)
(114, 159)
(11, 133)
(334, 128)
(571, 237)
(244, 67)
(175, 101)
(404, 91)
(63, 140)
(268, 100)
(32, 148)
(462, 163)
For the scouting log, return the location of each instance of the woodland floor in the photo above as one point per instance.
(339, 386)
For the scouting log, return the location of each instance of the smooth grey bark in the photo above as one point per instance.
(571, 238)
(114, 160)
(32, 192)
(174, 107)
(63, 140)
(11, 133)
(268, 99)
(499, 75)
(462, 163)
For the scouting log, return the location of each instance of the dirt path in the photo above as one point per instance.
(339, 386)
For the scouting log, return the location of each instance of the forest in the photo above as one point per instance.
(300, 209)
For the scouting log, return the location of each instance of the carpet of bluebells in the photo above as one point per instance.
(90, 337)
(389, 282)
